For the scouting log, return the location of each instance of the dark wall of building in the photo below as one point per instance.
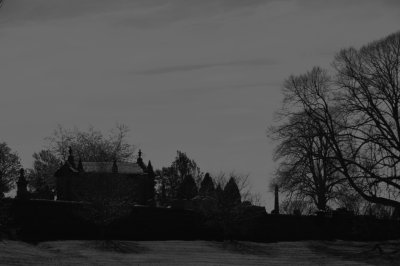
(101, 186)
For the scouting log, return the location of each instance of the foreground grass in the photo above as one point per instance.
(198, 253)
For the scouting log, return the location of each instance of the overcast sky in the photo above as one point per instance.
(203, 76)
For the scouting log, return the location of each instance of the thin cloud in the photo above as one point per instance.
(160, 11)
(181, 10)
(195, 67)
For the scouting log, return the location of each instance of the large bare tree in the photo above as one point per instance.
(369, 95)
(306, 171)
(359, 113)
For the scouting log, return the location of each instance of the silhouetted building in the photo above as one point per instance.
(94, 181)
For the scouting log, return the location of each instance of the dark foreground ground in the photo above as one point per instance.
(199, 253)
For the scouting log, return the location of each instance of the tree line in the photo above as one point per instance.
(181, 180)
(339, 132)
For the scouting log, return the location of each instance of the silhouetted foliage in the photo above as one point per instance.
(110, 196)
(9, 168)
(41, 177)
(150, 184)
(91, 145)
(183, 166)
(219, 192)
(231, 194)
(350, 200)
(297, 207)
(22, 186)
(187, 189)
(207, 186)
(242, 181)
(170, 178)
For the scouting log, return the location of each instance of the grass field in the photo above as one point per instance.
(197, 253)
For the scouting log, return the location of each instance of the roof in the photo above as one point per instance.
(106, 167)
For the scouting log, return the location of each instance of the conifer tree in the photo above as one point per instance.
(231, 194)
(207, 186)
(150, 191)
(219, 193)
(188, 188)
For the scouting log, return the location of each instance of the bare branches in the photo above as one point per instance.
(370, 94)
(354, 119)
(307, 170)
(92, 145)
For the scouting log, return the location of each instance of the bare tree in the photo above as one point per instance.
(359, 113)
(297, 206)
(92, 145)
(306, 171)
(369, 95)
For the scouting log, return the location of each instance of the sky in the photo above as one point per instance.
(200, 76)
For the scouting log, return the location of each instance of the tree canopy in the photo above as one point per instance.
(207, 186)
(357, 115)
(92, 145)
(170, 178)
(45, 164)
(305, 171)
(9, 168)
(231, 194)
(187, 189)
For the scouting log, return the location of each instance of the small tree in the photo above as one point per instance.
(9, 168)
(41, 177)
(306, 170)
